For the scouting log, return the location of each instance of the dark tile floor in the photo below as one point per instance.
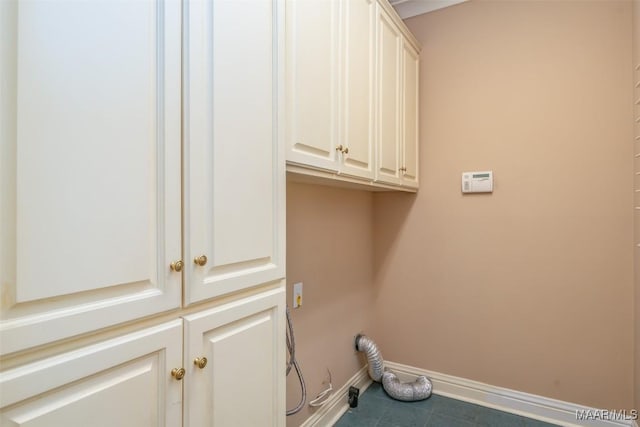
(376, 409)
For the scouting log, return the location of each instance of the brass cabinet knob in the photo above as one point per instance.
(340, 148)
(178, 373)
(177, 265)
(200, 260)
(402, 169)
(346, 150)
(200, 362)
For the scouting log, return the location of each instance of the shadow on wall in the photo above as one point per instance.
(388, 224)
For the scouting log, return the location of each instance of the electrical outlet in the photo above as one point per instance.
(297, 295)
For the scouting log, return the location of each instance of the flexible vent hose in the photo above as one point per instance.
(420, 389)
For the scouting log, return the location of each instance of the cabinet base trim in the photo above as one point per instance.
(306, 175)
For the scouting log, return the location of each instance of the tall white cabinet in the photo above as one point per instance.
(141, 213)
(91, 201)
(233, 159)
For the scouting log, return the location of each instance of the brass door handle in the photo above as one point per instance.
(177, 265)
(178, 373)
(200, 260)
(200, 362)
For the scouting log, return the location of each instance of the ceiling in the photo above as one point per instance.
(409, 8)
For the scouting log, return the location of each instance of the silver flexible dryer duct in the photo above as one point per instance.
(420, 389)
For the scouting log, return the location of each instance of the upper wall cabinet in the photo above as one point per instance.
(330, 70)
(397, 139)
(389, 131)
(312, 67)
(90, 173)
(410, 102)
(357, 88)
(345, 100)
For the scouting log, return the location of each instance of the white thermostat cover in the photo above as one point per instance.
(477, 182)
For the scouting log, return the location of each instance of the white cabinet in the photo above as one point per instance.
(123, 382)
(312, 70)
(91, 209)
(357, 88)
(243, 343)
(90, 186)
(347, 98)
(410, 119)
(398, 103)
(389, 45)
(233, 160)
(134, 380)
(330, 72)
(142, 189)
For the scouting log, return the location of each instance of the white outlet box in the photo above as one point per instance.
(297, 295)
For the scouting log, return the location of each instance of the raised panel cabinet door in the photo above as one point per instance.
(312, 74)
(90, 173)
(358, 106)
(234, 164)
(124, 382)
(410, 116)
(243, 381)
(389, 97)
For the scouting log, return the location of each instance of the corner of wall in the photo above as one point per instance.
(636, 186)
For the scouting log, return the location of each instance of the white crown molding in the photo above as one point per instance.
(408, 8)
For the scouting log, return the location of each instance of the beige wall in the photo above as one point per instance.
(530, 287)
(636, 149)
(330, 250)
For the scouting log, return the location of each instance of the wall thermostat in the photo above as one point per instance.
(477, 182)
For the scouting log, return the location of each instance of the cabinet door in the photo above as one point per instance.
(234, 163)
(410, 116)
(90, 181)
(389, 85)
(357, 131)
(312, 75)
(243, 383)
(124, 382)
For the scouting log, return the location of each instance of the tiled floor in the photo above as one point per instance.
(376, 409)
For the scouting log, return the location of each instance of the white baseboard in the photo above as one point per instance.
(503, 399)
(516, 402)
(337, 405)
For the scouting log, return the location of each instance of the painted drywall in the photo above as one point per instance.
(636, 150)
(330, 250)
(531, 287)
